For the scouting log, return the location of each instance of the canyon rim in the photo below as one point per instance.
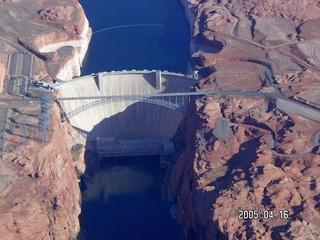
(268, 161)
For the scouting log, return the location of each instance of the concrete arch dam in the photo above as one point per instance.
(129, 118)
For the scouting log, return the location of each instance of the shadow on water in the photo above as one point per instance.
(128, 201)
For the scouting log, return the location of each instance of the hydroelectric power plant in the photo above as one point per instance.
(128, 113)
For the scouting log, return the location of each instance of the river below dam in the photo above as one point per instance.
(129, 199)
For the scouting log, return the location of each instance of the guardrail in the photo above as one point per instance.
(177, 105)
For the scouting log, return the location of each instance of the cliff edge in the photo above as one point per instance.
(251, 162)
(40, 195)
(39, 192)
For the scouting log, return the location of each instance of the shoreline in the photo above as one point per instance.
(190, 19)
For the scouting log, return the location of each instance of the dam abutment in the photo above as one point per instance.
(128, 112)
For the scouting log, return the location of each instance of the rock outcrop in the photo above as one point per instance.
(40, 195)
(46, 30)
(270, 164)
(39, 192)
(215, 178)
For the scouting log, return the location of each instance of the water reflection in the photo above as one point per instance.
(119, 180)
(128, 201)
(134, 34)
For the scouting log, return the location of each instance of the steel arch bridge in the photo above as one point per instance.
(177, 105)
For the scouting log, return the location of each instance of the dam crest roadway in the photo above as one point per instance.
(140, 115)
(129, 113)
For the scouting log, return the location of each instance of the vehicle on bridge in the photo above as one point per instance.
(41, 84)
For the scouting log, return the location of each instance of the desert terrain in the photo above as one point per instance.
(269, 160)
(39, 192)
(256, 151)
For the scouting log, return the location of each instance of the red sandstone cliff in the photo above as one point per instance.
(215, 178)
(57, 34)
(272, 160)
(39, 191)
(40, 196)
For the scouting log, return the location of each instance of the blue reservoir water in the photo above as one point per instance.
(131, 34)
(128, 199)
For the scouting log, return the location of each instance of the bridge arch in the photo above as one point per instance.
(143, 104)
(155, 100)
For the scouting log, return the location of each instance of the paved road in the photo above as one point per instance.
(316, 139)
(231, 33)
(21, 64)
(314, 54)
(27, 66)
(15, 64)
(20, 72)
(270, 78)
(204, 93)
(298, 108)
(282, 102)
(294, 58)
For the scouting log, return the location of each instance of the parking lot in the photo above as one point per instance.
(20, 73)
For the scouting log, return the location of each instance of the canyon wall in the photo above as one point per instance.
(40, 196)
(270, 164)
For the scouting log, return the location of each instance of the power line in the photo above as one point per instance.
(44, 119)
(129, 26)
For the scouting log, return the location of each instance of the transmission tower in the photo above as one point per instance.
(44, 119)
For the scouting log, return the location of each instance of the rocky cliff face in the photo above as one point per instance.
(215, 178)
(270, 161)
(57, 34)
(40, 196)
(76, 34)
(39, 191)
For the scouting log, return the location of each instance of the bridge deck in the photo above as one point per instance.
(126, 113)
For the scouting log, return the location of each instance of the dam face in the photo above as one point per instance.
(130, 119)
